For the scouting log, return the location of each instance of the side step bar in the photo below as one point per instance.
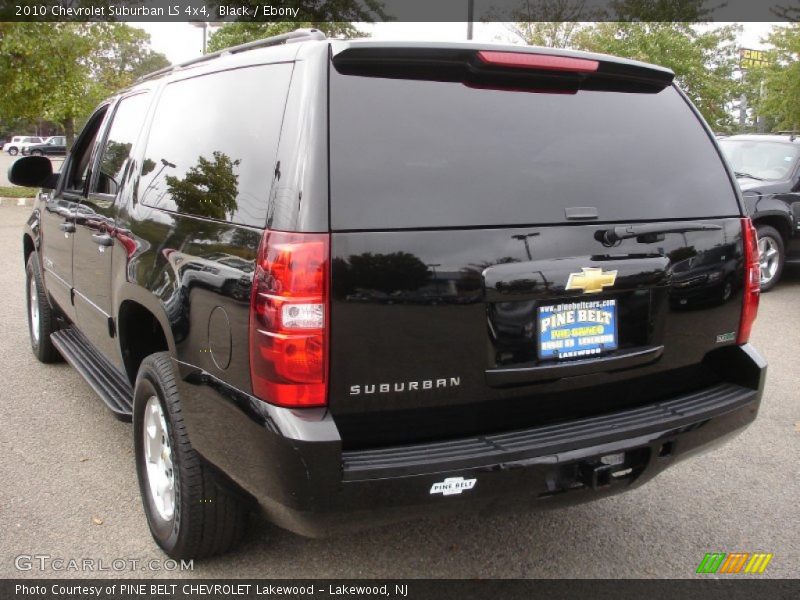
(105, 379)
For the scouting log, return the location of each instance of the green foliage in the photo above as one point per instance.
(60, 71)
(781, 98)
(663, 32)
(209, 189)
(704, 60)
(550, 23)
(233, 34)
(15, 191)
(333, 17)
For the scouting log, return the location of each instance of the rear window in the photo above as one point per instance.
(411, 154)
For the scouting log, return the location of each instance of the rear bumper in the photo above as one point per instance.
(292, 462)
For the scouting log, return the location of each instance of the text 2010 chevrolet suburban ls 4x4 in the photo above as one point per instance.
(353, 282)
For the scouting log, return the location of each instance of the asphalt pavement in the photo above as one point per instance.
(69, 488)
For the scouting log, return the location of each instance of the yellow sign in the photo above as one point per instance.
(752, 58)
(592, 280)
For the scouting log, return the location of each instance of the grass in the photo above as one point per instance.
(14, 191)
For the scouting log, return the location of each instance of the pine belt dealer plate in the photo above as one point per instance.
(577, 329)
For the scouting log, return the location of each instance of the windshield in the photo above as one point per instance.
(762, 160)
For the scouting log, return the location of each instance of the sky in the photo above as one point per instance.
(182, 41)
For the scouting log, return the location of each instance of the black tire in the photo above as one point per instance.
(39, 331)
(13, 151)
(209, 516)
(770, 233)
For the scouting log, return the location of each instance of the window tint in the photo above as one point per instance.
(82, 153)
(213, 144)
(408, 153)
(128, 121)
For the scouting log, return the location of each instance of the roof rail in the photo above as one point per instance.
(298, 35)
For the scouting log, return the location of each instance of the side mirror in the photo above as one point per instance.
(33, 171)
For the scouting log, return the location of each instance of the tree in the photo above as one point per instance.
(782, 78)
(209, 189)
(233, 34)
(334, 18)
(61, 71)
(704, 60)
(552, 24)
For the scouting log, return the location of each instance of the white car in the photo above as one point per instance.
(18, 142)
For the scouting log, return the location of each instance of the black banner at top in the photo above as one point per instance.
(318, 11)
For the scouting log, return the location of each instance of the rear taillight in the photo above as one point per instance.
(288, 319)
(752, 281)
(543, 62)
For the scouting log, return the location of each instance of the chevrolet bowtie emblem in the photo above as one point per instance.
(592, 280)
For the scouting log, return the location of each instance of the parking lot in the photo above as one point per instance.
(70, 489)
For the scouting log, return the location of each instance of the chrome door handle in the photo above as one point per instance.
(102, 239)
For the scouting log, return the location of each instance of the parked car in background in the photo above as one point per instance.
(767, 168)
(13, 145)
(17, 144)
(54, 145)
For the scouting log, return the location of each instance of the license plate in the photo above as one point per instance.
(577, 329)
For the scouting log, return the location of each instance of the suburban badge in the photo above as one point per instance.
(592, 280)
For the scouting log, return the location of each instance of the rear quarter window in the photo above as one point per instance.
(414, 154)
(213, 142)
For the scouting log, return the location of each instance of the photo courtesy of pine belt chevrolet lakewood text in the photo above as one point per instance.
(420, 278)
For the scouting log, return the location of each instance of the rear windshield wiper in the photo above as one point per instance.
(748, 175)
(648, 232)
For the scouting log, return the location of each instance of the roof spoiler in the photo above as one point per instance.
(523, 69)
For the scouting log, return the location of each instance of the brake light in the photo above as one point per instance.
(545, 62)
(288, 319)
(752, 281)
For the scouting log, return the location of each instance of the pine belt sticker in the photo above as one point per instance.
(452, 486)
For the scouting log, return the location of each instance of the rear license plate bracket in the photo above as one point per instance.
(577, 329)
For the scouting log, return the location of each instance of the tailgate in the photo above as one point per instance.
(475, 287)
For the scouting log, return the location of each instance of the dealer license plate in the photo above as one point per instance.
(577, 329)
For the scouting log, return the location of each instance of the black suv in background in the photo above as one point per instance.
(353, 282)
(55, 145)
(767, 168)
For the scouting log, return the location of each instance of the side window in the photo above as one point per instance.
(127, 123)
(82, 154)
(213, 144)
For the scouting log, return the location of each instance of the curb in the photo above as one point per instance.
(17, 201)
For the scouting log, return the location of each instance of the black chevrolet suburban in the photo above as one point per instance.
(354, 282)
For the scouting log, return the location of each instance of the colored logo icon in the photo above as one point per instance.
(735, 562)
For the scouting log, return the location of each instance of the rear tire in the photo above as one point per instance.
(13, 151)
(41, 321)
(191, 511)
(771, 255)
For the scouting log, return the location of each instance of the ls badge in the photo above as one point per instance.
(452, 486)
(592, 280)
